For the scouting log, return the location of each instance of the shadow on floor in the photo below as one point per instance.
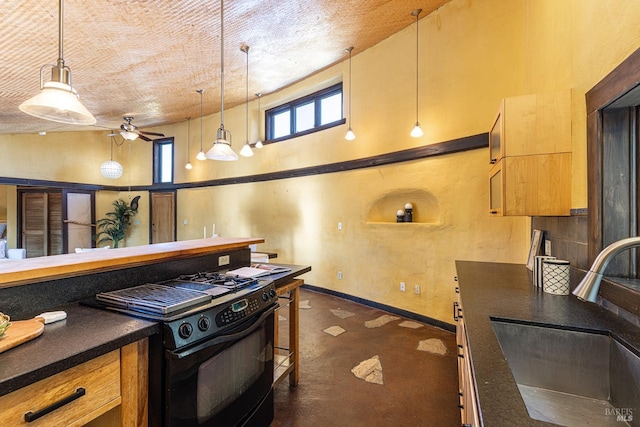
(419, 388)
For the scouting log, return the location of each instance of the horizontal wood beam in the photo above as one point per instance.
(442, 148)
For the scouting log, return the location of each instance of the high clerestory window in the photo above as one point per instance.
(163, 161)
(318, 111)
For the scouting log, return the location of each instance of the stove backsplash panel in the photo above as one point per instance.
(26, 301)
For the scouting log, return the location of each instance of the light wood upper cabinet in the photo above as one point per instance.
(530, 156)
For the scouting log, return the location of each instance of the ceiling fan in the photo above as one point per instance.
(130, 131)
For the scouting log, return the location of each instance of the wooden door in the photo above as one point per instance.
(41, 223)
(163, 217)
(79, 212)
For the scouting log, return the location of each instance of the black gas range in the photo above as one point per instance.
(212, 363)
(193, 307)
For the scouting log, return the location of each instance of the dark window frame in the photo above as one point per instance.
(291, 106)
(157, 159)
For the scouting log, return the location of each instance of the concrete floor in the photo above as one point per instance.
(418, 387)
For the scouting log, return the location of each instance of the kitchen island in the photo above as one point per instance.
(92, 340)
(505, 291)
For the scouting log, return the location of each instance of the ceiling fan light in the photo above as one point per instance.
(58, 102)
(246, 150)
(111, 169)
(128, 135)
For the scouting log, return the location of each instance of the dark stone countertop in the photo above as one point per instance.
(506, 291)
(282, 279)
(86, 333)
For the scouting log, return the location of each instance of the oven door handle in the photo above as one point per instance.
(224, 338)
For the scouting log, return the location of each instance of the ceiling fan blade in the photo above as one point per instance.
(144, 138)
(151, 133)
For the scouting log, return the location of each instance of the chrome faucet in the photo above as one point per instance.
(588, 288)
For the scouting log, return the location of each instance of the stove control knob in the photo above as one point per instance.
(185, 330)
(204, 323)
(265, 297)
(272, 293)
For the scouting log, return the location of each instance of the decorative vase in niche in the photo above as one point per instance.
(400, 215)
(408, 212)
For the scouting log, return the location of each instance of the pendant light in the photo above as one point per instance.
(417, 130)
(58, 101)
(111, 169)
(350, 136)
(246, 148)
(201, 155)
(221, 149)
(259, 143)
(188, 166)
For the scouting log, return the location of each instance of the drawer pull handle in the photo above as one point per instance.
(32, 416)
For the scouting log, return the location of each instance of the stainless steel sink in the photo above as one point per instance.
(572, 378)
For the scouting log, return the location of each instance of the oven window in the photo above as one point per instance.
(222, 382)
(228, 375)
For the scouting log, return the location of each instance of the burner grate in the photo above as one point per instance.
(154, 298)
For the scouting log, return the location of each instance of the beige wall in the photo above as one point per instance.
(3, 203)
(473, 53)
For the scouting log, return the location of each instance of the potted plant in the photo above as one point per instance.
(113, 228)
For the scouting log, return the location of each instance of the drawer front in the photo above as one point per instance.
(100, 379)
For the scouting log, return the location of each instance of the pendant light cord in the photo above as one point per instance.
(200, 91)
(188, 139)
(222, 64)
(350, 50)
(417, 57)
(245, 49)
(60, 31)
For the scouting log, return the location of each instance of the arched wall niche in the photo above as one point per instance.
(426, 208)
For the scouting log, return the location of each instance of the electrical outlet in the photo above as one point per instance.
(223, 260)
(547, 247)
(417, 289)
(186, 221)
(402, 287)
(339, 226)
(339, 275)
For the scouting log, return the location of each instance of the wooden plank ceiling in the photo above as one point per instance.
(147, 58)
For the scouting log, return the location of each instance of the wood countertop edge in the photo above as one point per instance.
(69, 265)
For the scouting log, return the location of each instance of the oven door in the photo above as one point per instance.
(224, 381)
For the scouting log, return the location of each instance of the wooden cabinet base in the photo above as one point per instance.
(98, 378)
(106, 391)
